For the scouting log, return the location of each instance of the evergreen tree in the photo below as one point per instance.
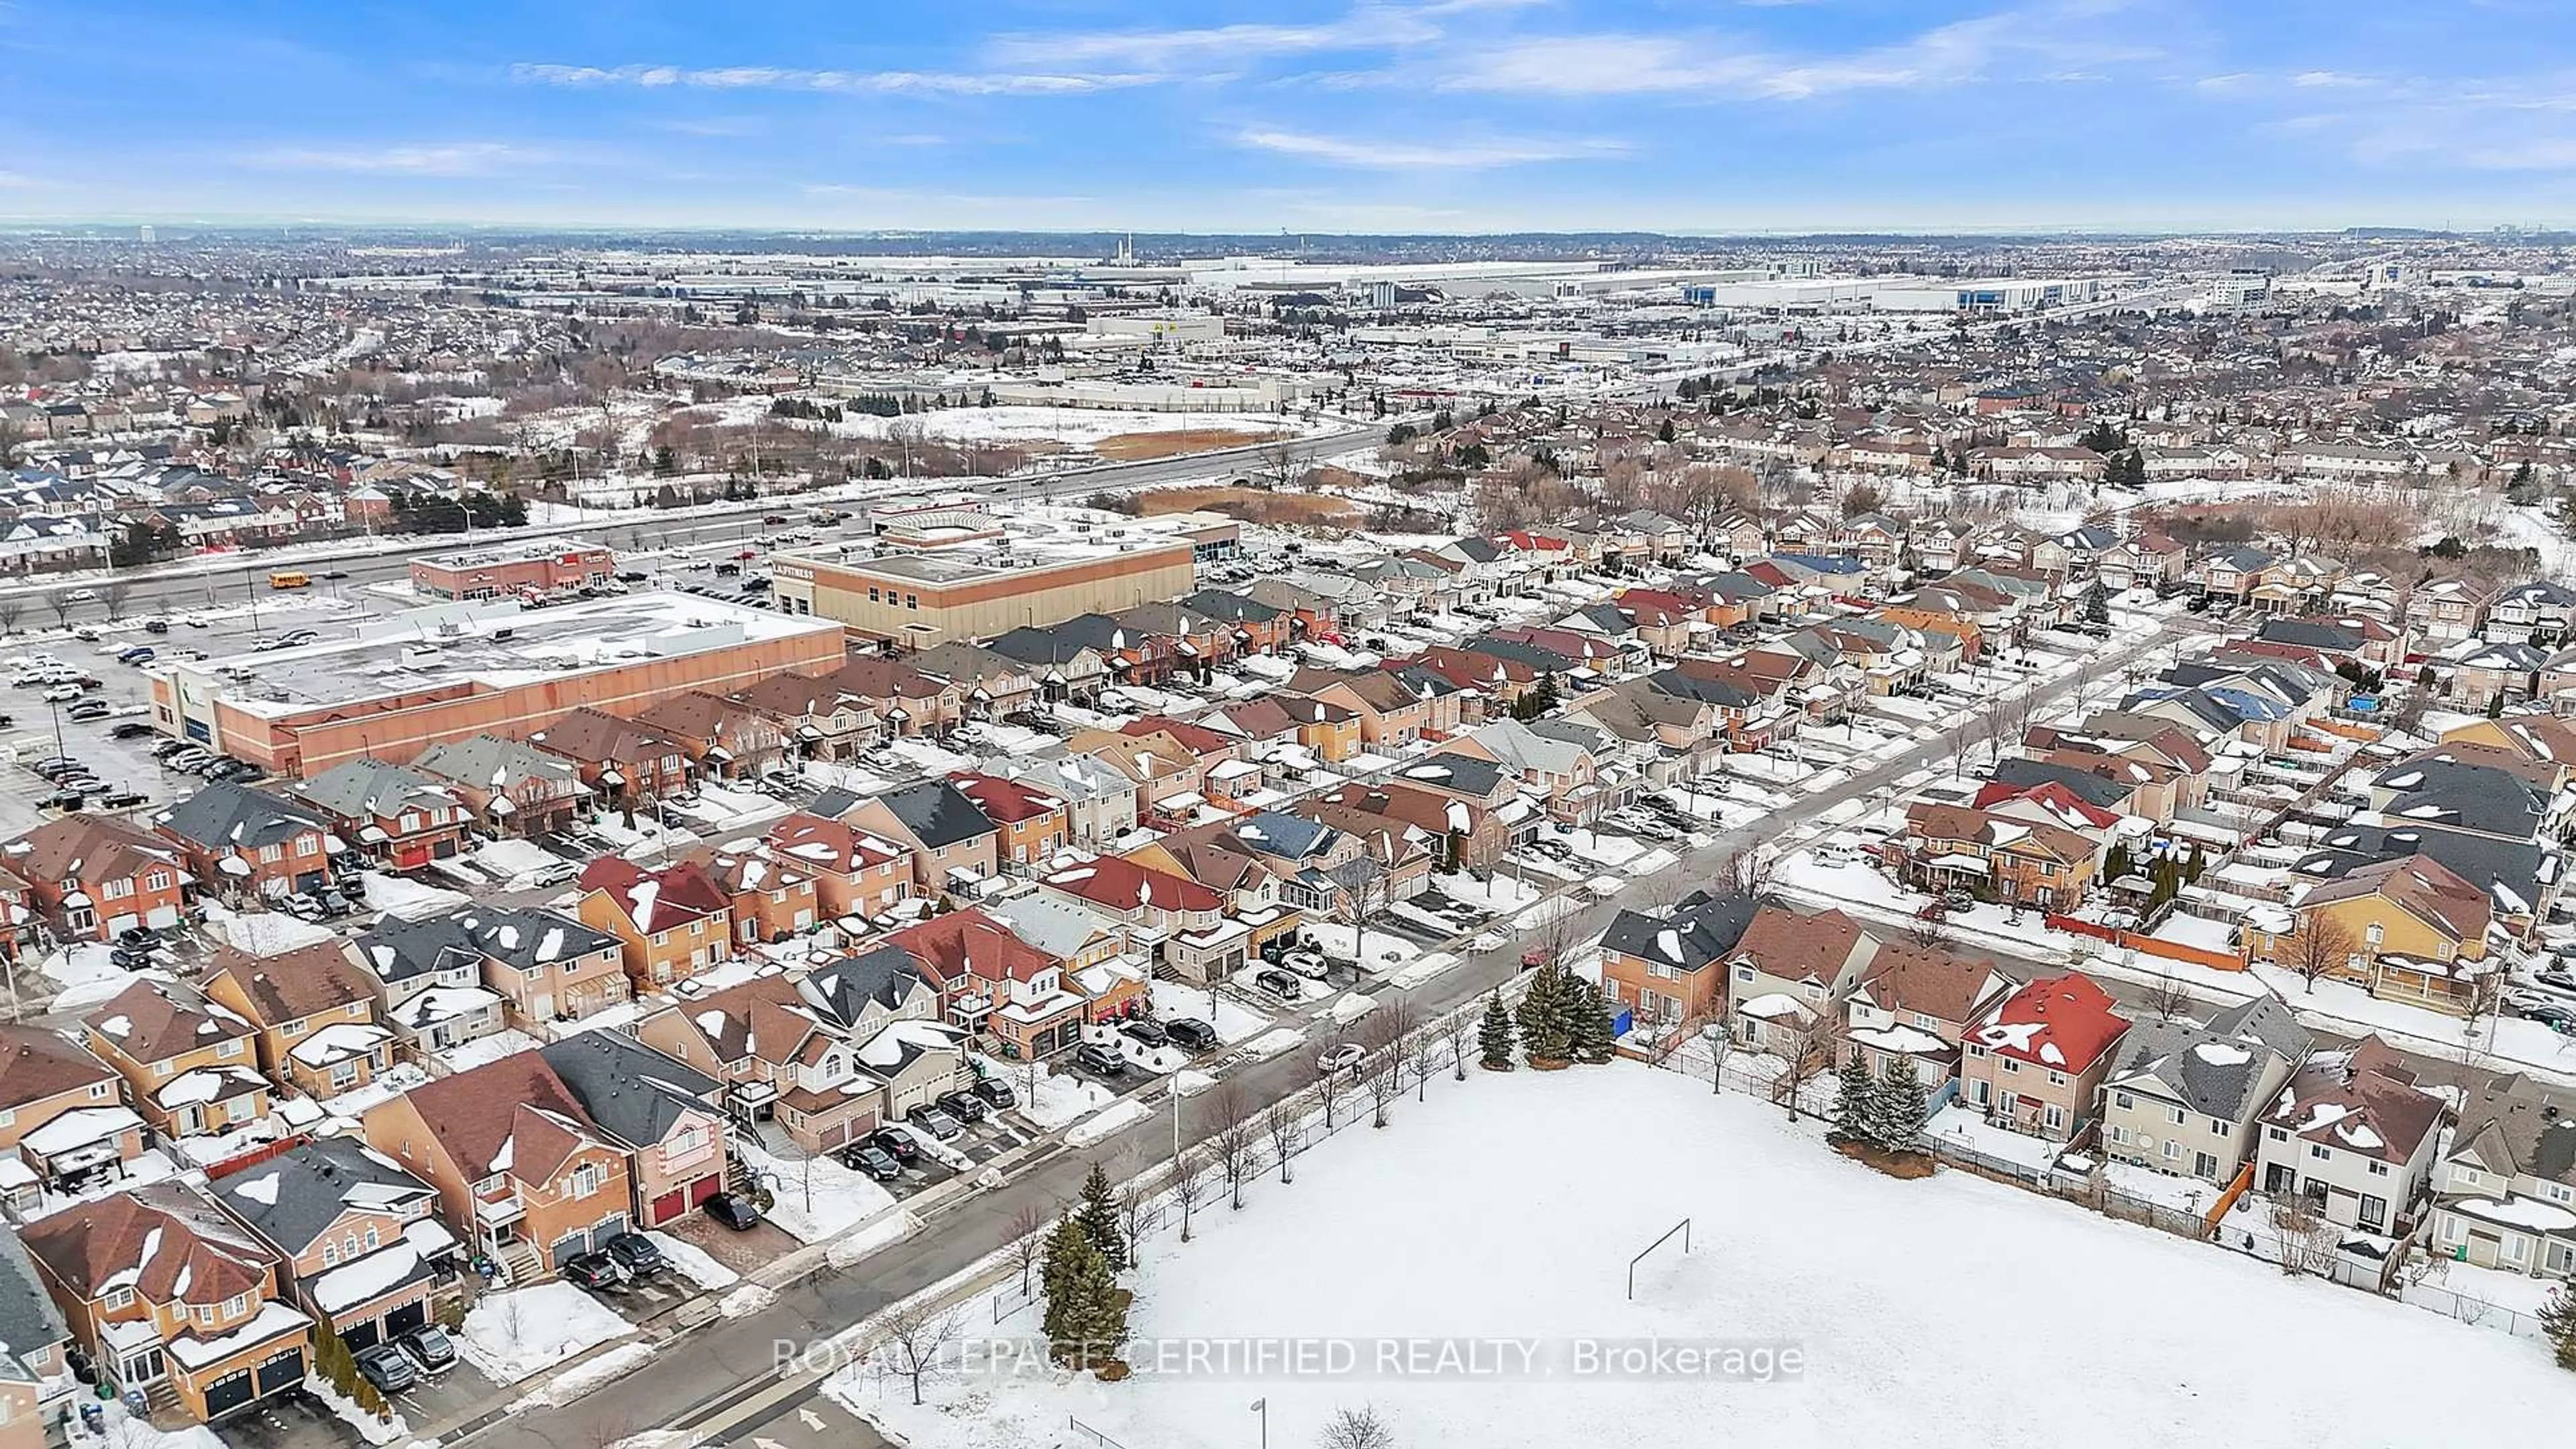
(1086, 1312)
(1546, 1033)
(1898, 1107)
(1590, 1034)
(1098, 1217)
(1665, 433)
(332, 1359)
(1494, 1034)
(2115, 861)
(2558, 1323)
(1854, 1101)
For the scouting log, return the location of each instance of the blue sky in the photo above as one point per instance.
(1317, 115)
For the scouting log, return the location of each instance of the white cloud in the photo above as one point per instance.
(1462, 154)
(1372, 26)
(451, 158)
(783, 78)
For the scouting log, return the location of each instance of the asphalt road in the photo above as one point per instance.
(193, 584)
(731, 1362)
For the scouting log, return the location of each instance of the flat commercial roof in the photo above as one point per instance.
(518, 550)
(450, 644)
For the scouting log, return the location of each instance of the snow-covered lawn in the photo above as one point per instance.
(814, 1198)
(1272, 1042)
(521, 1331)
(2509, 1037)
(262, 933)
(1060, 1097)
(1384, 948)
(483, 1050)
(1109, 1121)
(1500, 896)
(1961, 1327)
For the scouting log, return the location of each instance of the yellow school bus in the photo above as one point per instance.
(290, 579)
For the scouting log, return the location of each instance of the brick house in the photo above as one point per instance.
(247, 844)
(428, 977)
(1033, 824)
(2036, 1059)
(725, 740)
(675, 921)
(172, 1297)
(668, 1115)
(312, 1012)
(64, 1122)
(357, 1238)
(767, 898)
(36, 1382)
(1916, 1001)
(627, 765)
(953, 844)
(520, 1171)
(512, 787)
(394, 815)
(856, 871)
(190, 1064)
(1789, 972)
(1669, 967)
(92, 876)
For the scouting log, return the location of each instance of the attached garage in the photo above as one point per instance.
(567, 1248)
(228, 1393)
(360, 1335)
(668, 1206)
(281, 1371)
(406, 1318)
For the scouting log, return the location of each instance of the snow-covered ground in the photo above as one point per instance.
(1938, 1312)
(409, 899)
(1060, 1097)
(814, 1198)
(692, 1262)
(262, 933)
(521, 1331)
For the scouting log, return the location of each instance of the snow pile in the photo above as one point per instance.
(813, 1198)
(521, 1331)
(1107, 1122)
(262, 933)
(691, 1262)
(408, 899)
(1060, 1097)
(1272, 1042)
(587, 1375)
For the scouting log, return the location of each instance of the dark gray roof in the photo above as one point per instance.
(359, 789)
(937, 813)
(2094, 790)
(2520, 869)
(524, 937)
(631, 1090)
(1706, 691)
(843, 989)
(291, 1198)
(1702, 927)
(2463, 796)
(236, 817)
(1463, 774)
(1231, 608)
(2213, 1071)
(28, 1318)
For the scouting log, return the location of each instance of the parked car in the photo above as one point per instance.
(1092, 1056)
(996, 1092)
(873, 1161)
(81, 596)
(89, 710)
(1190, 1032)
(139, 654)
(896, 1144)
(594, 1270)
(132, 729)
(734, 1211)
(384, 1366)
(60, 693)
(1280, 984)
(2557, 978)
(156, 626)
(637, 1254)
(64, 800)
(964, 1106)
(1309, 964)
(429, 1349)
(130, 958)
(1145, 1029)
(935, 1122)
(1343, 1057)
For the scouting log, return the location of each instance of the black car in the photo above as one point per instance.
(138, 936)
(734, 1211)
(997, 1093)
(65, 800)
(1190, 1032)
(332, 575)
(384, 1366)
(595, 1270)
(1104, 1060)
(429, 1349)
(636, 1254)
(130, 958)
(898, 1145)
(1145, 1029)
(964, 1106)
(132, 729)
(873, 1161)
(156, 626)
(1280, 984)
(353, 888)
(122, 800)
(631, 576)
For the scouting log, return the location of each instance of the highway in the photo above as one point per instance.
(722, 1386)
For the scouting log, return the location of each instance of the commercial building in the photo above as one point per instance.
(451, 671)
(526, 565)
(917, 594)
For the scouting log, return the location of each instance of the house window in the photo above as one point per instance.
(2320, 1152)
(229, 1049)
(308, 845)
(330, 1254)
(240, 1302)
(120, 1298)
(2218, 1127)
(2174, 1115)
(2513, 1249)
(2011, 1066)
(2277, 1135)
(1744, 973)
(271, 854)
(2123, 1101)
(371, 1237)
(1976, 1051)
(158, 880)
(2057, 1079)
(586, 1179)
(2379, 1169)
(2173, 1150)
(2055, 1116)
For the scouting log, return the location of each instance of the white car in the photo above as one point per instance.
(1309, 964)
(1343, 1058)
(81, 596)
(61, 692)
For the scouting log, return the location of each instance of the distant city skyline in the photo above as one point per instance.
(1455, 116)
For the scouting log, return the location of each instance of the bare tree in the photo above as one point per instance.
(1460, 1031)
(2166, 999)
(2307, 1240)
(114, 596)
(1386, 1035)
(1931, 925)
(914, 1341)
(1358, 1428)
(1748, 871)
(1285, 1126)
(11, 610)
(1190, 1186)
(1028, 1226)
(1721, 1043)
(1330, 1083)
(1426, 1040)
(1807, 1048)
(60, 601)
(1232, 1135)
(2321, 944)
(1131, 1204)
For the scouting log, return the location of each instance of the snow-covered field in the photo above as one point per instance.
(1066, 425)
(1949, 1311)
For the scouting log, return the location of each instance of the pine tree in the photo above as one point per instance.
(1853, 1101)
(1546, 1032)
(2558, 1323)
(1898, 1107)
(1098, 1217)
(1591, 1037)
(1086, 1313)
(1494, 1035)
